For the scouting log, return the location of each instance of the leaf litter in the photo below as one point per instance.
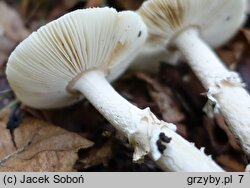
(78, 138)
(40, 146)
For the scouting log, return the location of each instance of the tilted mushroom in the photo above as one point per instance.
(191, 26)
(73, 55)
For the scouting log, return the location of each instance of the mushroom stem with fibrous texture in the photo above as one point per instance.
(142, 128)
(188, 25)
(74, 57)
(224, 86)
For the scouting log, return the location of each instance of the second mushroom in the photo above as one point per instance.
(191, 26)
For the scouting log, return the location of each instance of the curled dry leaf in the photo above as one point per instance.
(164, 99)
(41, 146)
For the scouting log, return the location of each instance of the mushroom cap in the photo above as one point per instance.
(41, 67)
(216, 20)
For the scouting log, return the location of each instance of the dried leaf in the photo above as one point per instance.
(230, 163)
(60, 7)
(164, 99)
(41, 146)
(96, 156)
(231, 138)
(246, 33)
(182, 130)
(218, 145)
(6, 144)
(12, 31)
(11, 25)
(187, 87)
(94, 3)
(76, 118)
(6, 45)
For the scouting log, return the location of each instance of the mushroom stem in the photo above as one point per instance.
(224, 86)
(145, 132)
(182, 156)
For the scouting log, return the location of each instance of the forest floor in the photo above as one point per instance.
(78, 138)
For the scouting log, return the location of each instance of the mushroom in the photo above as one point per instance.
(72, 56)
(191, 27)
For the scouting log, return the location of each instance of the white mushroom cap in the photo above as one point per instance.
(41, 67)
(216, 20)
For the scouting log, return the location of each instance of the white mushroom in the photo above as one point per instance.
(74, 54)
(191, 26)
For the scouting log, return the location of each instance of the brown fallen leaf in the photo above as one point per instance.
(41, 146)
(6, 144)
(231, 138)
(93, 3)
(11, 25)
(218, 140)
(231, 53)
(182, 130)
(164, 98)
(227, 56)
(78, 118)
(246, 33)
(187, 89)
(6, 45)
(96, 156)
(59, 8)
(230, 163)
(12, 31)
